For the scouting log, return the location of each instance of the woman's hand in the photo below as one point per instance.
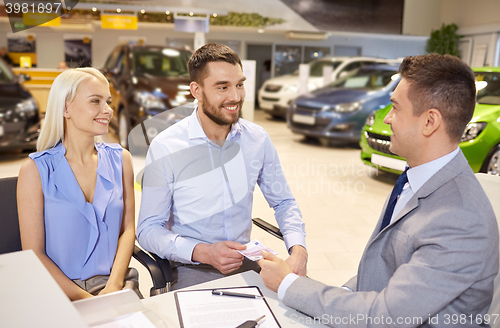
(110, 288)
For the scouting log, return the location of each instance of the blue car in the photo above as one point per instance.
(339, 111)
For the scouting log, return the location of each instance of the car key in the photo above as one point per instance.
(250, 323)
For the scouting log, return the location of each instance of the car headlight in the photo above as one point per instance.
(28, 107)
(148, 100)
(311, 86)
(348, 107)
(291, 89)
(472, 130)
(370, 120)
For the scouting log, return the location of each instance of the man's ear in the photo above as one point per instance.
(433, 120)
(195, 90)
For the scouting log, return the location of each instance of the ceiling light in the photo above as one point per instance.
(118, 10)
(303, 35)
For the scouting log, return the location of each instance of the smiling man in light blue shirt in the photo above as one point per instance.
(200, 177)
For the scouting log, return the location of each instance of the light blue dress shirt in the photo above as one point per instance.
(81, 238)
(417, 177)
(196, 191)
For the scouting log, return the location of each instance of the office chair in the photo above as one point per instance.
(268, 227)
(491, 186)
(10, 238)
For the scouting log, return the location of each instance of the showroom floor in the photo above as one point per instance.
(340, 199)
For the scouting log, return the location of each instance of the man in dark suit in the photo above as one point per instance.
(433, 255)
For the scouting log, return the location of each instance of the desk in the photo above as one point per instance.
(164, 305)
(30, 297)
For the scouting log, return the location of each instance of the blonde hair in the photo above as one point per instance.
(63, 90)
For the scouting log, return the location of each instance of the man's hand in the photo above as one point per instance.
(273, 270)
(298, 260)
(221, 255)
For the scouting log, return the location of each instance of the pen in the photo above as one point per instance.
(221, 293)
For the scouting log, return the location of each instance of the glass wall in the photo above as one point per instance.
(288, 57)
(312, 53)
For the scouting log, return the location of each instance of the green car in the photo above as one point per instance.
(480, 142)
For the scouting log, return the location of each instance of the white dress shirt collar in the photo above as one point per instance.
(418, 175)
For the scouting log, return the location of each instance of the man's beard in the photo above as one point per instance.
(214, 113)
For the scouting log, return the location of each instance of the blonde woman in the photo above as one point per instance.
(75, 194)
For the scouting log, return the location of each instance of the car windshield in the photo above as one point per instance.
(371, 79)
(316, 67)
(6, 74)
(488, 88)
(167, 62)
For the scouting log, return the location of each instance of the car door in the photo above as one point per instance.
(109, 72)
(126, 85)
(114, 76)
(126, 114)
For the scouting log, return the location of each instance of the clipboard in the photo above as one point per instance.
(199, 308)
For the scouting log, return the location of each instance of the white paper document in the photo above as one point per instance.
(253, 250)
(201, 309)
(131, 320)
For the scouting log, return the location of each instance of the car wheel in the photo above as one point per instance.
(311, 139)
(492, 164)
(123, 128)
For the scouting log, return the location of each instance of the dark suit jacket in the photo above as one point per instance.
(436, 260)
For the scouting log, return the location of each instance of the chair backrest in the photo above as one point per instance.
(491, 185)
(10, 239)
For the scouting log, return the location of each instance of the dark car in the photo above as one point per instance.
(141, 135)
(145, 81)
(19, 118)
(339, 111)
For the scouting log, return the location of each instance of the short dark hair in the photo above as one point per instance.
(443, 82)
(211, 52)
